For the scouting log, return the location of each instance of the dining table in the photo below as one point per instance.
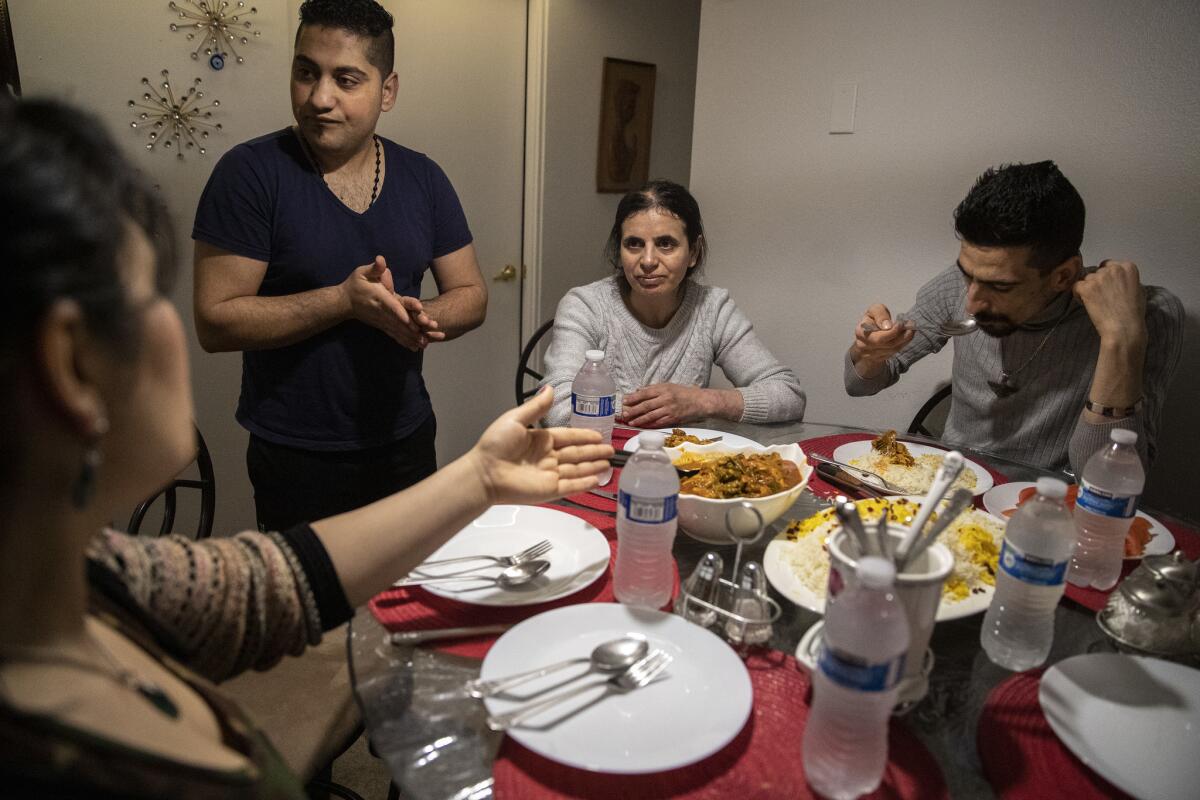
(435, 741)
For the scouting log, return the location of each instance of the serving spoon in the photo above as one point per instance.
(509, 577)
(610, 656)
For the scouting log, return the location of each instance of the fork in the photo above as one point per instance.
(528, 554)
(637, 676)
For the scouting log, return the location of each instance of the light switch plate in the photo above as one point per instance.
(841, 115)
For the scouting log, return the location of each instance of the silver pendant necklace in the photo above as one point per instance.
(151, 692)
(1005, 387)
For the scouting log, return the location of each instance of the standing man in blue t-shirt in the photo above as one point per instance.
(311, 243)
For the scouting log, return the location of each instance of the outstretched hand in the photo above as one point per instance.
(522, 464)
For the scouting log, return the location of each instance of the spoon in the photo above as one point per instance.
(959, 500)
(509, 577)
(954, 327)
(610, 656)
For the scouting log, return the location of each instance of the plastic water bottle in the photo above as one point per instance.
(648, 492)
(593, 400)
(1108, 493)
(1019, 626)
(855, 684)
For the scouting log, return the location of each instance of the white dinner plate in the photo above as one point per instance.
(1001, 500)
(785, 580)
(852, 450)
(1134, 720)
(579, 556)
(729, 439)
(698, 705)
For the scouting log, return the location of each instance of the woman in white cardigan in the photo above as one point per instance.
(661, 331)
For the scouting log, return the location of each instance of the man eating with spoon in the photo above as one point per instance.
(1062, 354)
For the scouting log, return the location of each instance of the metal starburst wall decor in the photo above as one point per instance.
(218, 24)
(178, 123)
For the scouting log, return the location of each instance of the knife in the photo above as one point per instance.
(417, 637)
(831, 473)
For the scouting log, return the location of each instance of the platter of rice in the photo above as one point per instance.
(913, 467)
(797, 563)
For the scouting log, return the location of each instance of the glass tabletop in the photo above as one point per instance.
(435, 741)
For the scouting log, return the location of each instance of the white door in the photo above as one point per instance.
(462, 102)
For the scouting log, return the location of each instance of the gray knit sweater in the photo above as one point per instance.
(707, 329)
(1041, 423)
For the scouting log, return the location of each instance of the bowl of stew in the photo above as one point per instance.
(769, 478)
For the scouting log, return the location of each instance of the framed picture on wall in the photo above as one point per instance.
(626, 117)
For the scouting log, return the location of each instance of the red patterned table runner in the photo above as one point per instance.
(763, 761)
(415, 609)
(1022, 757)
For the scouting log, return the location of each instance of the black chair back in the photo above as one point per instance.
(931, 418)
(206, 485)
(523, 368)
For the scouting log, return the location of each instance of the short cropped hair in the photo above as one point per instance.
(365, 18)
(1024, 205)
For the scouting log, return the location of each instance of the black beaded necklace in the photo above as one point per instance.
(317, 165)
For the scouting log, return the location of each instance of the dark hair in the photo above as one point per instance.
(67, 197)
(666, 196)
(1024, 205)
(365, 18)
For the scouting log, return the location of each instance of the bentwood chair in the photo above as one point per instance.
(930, 420)
(523, 368)
(207, 486)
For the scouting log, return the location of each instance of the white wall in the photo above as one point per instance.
(581, 34)
(808, 228)
(96, 60)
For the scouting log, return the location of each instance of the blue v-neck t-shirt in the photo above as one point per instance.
(350, 387)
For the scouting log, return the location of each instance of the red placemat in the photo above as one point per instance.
(763, 761)
(1186, 539)
(415, 609)
(1022, 757)
(825, 445)
(619, 438)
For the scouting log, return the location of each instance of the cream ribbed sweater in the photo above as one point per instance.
(707, 329)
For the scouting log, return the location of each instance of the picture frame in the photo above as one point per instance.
(626, 122)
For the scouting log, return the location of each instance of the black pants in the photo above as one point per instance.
(292, 485)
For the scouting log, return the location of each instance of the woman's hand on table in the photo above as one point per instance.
(521, 464)
(662, 405)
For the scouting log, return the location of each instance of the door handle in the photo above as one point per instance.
(509, 273)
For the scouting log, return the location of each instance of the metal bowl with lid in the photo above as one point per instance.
(1154, 610)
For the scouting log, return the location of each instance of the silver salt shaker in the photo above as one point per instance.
(749, 602)
(703, 584)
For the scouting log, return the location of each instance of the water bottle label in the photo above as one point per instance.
(586, 405)
(1031, 569)
(854, 673)
(647, 510)
(1105, 503)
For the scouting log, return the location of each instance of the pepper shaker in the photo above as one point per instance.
(703, 584)
(749, 603)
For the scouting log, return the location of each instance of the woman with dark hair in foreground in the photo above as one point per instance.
(105, 670)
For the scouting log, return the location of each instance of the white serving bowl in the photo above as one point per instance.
(704, 519)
